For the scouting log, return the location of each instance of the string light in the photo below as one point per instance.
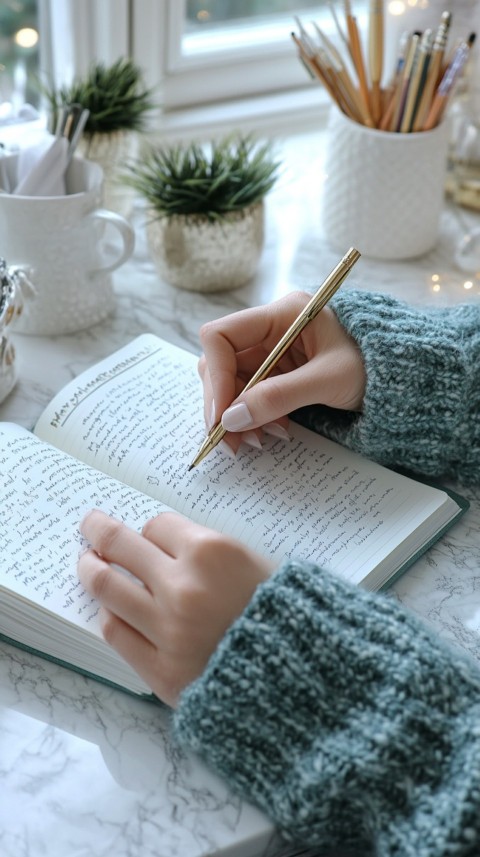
(27, 37)
(396, 7)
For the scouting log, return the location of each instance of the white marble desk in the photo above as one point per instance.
(86, 771)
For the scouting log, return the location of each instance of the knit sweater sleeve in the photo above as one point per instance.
(422, 397)
(344, 718)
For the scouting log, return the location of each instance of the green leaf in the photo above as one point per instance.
(211, 181)
(115, 96)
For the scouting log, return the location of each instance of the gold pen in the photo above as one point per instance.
(310, 311)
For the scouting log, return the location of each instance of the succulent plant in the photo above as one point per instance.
(115, 96)
(211, 181)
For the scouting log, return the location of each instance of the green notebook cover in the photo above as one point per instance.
(463, 506)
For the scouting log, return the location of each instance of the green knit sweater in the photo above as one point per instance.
(336, 710)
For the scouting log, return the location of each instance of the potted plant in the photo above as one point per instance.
(205, 205)
(118, 103)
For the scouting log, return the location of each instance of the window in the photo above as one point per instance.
(208, 13)
(210, 52)
(222, 49)
(19, 55)
(234, 24)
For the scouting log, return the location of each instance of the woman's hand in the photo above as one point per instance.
(323, 366)
(194, 584)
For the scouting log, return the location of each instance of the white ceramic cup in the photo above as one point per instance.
(61, 244)
(383, 192)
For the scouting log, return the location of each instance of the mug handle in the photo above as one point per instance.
(126, 231)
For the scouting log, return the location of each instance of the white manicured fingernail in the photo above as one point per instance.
(223, 445)
(251, 439)
(237, 417)
(276, 430)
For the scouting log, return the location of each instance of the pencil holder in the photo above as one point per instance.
(383, 192)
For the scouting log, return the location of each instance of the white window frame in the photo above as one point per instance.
(260, 85)
(265, 62)
(263, 90)
(77, 32)
(151, 32)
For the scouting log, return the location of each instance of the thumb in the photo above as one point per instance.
(272, 399)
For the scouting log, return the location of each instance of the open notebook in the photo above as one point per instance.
(120, 437)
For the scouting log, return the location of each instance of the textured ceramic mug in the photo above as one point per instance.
(61, 244)
(383, 192)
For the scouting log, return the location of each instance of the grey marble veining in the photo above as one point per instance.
(89, 771)
(86, 771)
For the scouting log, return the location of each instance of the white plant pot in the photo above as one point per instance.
(112, 152)
(194, 253)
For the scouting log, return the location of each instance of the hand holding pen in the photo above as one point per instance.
(322, 365)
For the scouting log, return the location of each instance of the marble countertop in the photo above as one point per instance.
(86, 770)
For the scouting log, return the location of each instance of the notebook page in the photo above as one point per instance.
(139, 417)
(44, 494)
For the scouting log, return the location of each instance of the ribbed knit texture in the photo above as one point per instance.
(336, 710)
(422, 402)
(344, 718)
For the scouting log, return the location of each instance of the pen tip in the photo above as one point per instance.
(190, 468)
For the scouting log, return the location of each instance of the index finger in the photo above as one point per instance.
(117, 543)
(225, 338)
(221, 341)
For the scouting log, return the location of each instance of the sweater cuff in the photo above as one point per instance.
(422, 400)
(342, 716)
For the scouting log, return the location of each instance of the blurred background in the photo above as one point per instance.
(196, 53)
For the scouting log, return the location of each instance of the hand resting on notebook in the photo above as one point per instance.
(168, 628)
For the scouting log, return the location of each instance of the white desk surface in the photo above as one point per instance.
(86, 771)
